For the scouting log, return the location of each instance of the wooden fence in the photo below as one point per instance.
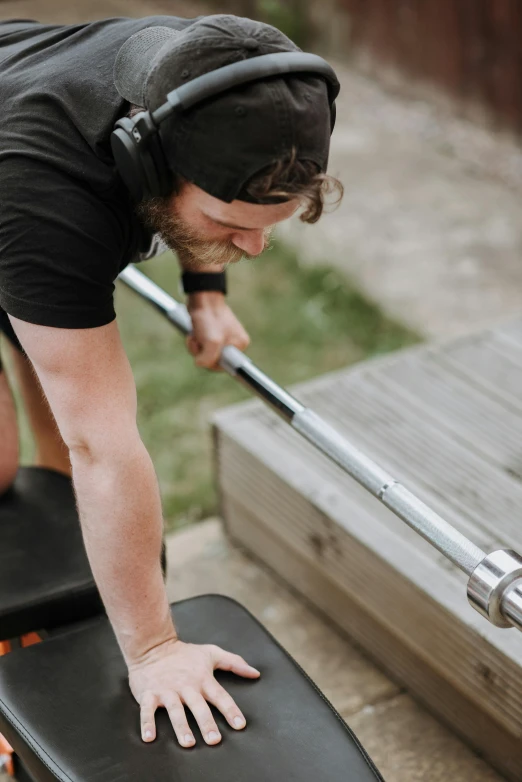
(470, 48)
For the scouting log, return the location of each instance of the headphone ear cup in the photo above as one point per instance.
(144, 170)
(127, 158)
(157, 169)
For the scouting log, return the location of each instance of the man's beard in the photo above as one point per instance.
(160, 214)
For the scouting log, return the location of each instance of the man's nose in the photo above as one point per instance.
(252, 243)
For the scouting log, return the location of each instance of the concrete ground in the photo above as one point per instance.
(406, 743)
(431, 222)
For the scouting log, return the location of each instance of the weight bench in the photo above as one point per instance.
(45, 578)
(65, 705)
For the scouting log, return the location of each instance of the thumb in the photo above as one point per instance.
(209, 352)
(226, 661)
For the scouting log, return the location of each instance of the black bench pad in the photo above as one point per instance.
(66, 708)
(45, 577)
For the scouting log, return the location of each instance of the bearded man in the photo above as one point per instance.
(237, 165)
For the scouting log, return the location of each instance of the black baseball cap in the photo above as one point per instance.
(221, 143)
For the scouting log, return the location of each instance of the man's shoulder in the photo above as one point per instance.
(39, 200)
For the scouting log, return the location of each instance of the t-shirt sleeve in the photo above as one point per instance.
(61, 247)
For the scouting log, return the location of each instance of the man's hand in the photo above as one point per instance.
(176, 674)
(214, 326)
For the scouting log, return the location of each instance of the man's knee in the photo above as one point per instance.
(7, 478)
(9, 451)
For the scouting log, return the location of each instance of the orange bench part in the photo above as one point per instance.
(6, 750)
(29, 639)
(5, 647)
(6, 756)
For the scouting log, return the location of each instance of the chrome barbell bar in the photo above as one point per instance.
(495, 579)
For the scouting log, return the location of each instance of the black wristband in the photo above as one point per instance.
(194, 282)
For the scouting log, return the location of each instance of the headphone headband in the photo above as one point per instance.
(237, 73)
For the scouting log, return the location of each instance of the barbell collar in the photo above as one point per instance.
(491, 581)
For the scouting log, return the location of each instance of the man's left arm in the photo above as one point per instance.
(214, 323)
(214, 326)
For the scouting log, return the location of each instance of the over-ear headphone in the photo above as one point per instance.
(136, 143)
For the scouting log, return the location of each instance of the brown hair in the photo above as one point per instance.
(287, 179)
(293, 178)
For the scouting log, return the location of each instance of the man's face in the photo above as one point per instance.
(207, 232)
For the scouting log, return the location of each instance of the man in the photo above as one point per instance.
(239, 164)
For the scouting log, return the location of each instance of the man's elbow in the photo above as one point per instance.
(99, 445)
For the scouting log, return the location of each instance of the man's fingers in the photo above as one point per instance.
(210, 352)
(219, 697)
(201, 711)
(240, 340)
(193, 345)
(226, 661)
(148, 706)
(195, 349)
(179, 722)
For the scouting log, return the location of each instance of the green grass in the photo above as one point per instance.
(303, 321)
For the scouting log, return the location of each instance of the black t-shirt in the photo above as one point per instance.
(67, 226)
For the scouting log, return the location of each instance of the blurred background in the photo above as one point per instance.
(426, 246)
(426, 243)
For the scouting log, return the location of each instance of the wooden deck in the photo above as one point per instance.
(446, 421)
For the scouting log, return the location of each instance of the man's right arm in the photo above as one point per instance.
(88, 382)
(87, 379)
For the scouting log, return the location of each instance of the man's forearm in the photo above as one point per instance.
(120, 511)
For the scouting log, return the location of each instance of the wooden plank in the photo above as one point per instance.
(512, 330)
(481, 423)
(434, 418)
(484, 364)
(384, 591)
(418, 452)
(398, 660)
(473, 666)
(321, 395)
(338, 482)
(353, 510)
(507, 345)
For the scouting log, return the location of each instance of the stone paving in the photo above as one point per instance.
(406, 743)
